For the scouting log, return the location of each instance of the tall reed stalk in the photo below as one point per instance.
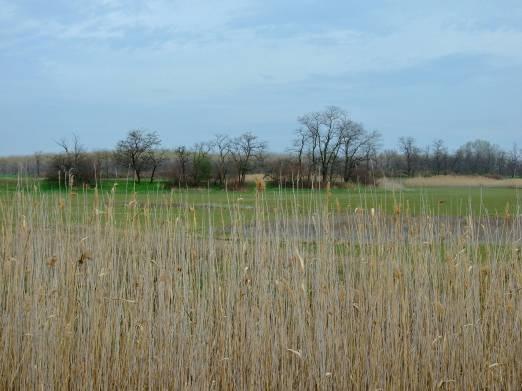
(98, 293)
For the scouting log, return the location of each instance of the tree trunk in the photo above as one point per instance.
(309, 175)
(152, 174)
(324, 174)
(347, 170)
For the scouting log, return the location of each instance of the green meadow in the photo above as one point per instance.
(441, 201)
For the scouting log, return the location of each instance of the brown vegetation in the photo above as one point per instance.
(450, 181)
(150, 299)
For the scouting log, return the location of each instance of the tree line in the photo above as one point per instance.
(140, 155)
(328, 146)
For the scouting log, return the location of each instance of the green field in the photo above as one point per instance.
(442, 201)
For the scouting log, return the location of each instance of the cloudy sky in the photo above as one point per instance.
(190, 69)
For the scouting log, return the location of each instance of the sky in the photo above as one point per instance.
(191, 69)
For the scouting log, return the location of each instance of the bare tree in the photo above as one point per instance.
(514, 161)
(478, 157)
(73, 152)
(201, 164)
(38, 162)
(245, 149)
(299, 148)
(410, 152)
(221, 146)
(325, 138)
(71, 163)
(501, 161)
(306, 145)
(102, 162)
(358, 145)
(182, 162)
(156, 158)
(370, 149)
(440, 156)
(135, 150)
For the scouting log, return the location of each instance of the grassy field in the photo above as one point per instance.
(141, 287)
(416, 196)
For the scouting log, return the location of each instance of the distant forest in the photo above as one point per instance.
(328, 146)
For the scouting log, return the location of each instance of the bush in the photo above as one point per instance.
(71, 171)
(201, 170)
(366, 177)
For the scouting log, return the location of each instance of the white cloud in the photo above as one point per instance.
(193, 48)
(103, 19)
(243, 58)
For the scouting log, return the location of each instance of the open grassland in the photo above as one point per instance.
(274, 290)
(391, 196)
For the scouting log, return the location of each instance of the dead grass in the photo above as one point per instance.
(254, 178)
(460, 181)
(390, 184)
(86, 302)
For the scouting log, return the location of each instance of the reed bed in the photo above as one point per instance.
(165, 296)
(457, 181)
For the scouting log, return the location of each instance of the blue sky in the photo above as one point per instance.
(190, 69)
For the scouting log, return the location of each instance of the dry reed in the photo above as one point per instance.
(450, 181)
(147, 299)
